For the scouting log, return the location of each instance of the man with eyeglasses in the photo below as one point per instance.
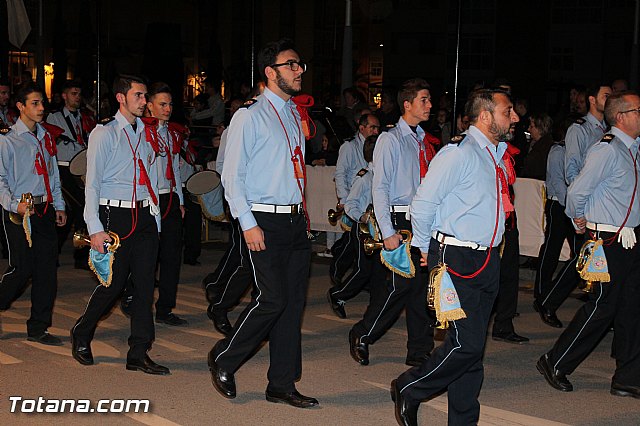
(603, 200)
(264, 178)
(350, 162)
(582, 134)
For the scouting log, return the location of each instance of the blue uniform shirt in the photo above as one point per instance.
(555, 183)
(396, 166)
(580, 137)
(602, 191)
(18, 150)
(161, 163)
(458, 195)
(257, 163)
(68, 145)
(111, 169)
(350, 162)
(360, 196)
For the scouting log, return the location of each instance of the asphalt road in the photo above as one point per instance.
(513, 392)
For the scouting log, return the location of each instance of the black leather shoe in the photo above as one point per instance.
(510, 337)
(416, 361)
(547, 315)
(406, 414)
(623, 390)
(220, 320)
(146, 365)
(359, 350)
(171, 319)
(295, 399)
(337, 306)
(223, 381)
(125, 305)
(554, 377)
(81, 351)
(46, 339)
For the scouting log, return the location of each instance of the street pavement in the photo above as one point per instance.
(513, 393)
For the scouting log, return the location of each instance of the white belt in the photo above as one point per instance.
(554, 198)
(122, 203)
(64, 163)
(602, 227)
(452, 241)
(37, 199)
(164, 191)
(272, 208)
(399, 209)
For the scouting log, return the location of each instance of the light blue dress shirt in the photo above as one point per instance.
(111, 168)
(18, 150)
(458, 195)
(578, 140)
(360, 196)
(555, 183)
(602, 191)
(257, 164)
(350, 162)
(396, 166)
(68, 145)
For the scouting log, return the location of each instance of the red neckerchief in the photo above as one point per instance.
(144, 180)
(303, 102)
(53, 132)
(179, 133)
(88, 121)
(151, 132)
(169, 148)
(41, 168)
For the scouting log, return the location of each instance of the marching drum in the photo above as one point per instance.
(78, 164)
(206, 190)
(202, 182)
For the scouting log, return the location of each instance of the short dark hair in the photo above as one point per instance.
(543, 123)
(25, 90)
(71, 84)
(615, 103)
(267, 56)
(123, 82)
(594, 89)
(481, 100)
(158, 87)
(409, 90)
(367, 149)
(364, 119)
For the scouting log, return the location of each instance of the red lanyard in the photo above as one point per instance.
(495, 228)
(297, 160)
(42, 169)
(166, 147)
(134, 204)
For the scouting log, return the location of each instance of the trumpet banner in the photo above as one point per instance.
(26, 224)
(102, 265)
(446, 300)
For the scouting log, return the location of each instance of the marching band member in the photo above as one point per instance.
(28, 165)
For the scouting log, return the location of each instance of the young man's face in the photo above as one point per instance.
(419, 108)
(134, 101)
(290, 82)
(72, 98)
(161, 106)
(32, 111)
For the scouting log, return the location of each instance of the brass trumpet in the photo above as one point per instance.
(370, 245)
(18, 218)
(334, 215)
(81, 238)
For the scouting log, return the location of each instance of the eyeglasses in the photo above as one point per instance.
(293, 65)
(630, 110)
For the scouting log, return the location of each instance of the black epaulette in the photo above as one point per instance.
(4, 130)
(456, 140)
(248, 103)
(106, 120)
(362, 172)
(607, 138)
(580, 121)
(348, 139)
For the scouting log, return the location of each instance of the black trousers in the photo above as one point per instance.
(507, 300)
(617, 301)
(277, 302)
(74, 198)
(402, 293)
(136, 257)
(456, 365)
(192, 228)
(37, 262)
(168, 256)
(361, 274)
(552, 293)
(232, 278)
(344, 253)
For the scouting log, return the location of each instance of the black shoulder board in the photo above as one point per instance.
(456, 139)
(248, 103)
(580, 120)
(362, 172)
(607, 138)
(107, 120)
(349, 139)
(4, 130)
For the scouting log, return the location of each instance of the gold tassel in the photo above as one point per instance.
(412, 268)
(543, 190)
(26, 226)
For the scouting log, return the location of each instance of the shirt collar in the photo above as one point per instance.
(66, 112)
(122, 122)
(590, 117)
(406, 130)
(483, 141)
(276, 100)
(21, 128)
(628, 141)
